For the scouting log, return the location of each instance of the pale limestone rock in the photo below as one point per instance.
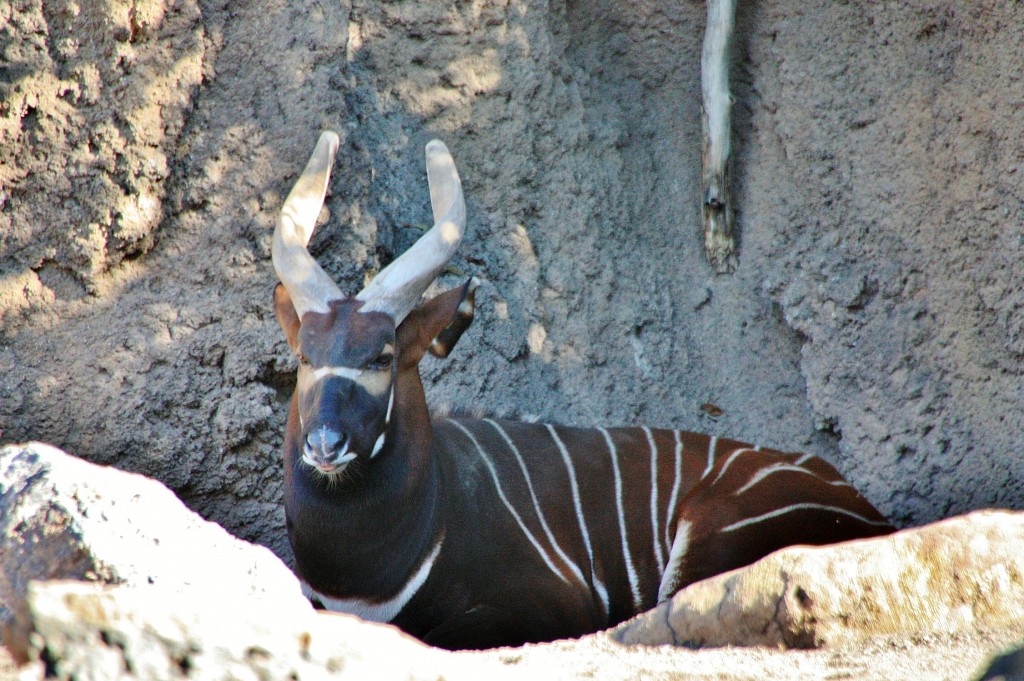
(961, 575)
(94, 632)
(64, 518)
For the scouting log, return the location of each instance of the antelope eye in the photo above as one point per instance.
(383, 361)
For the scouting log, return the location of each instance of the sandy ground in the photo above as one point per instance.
(936, 659)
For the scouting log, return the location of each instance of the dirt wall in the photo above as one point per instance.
(876, 317)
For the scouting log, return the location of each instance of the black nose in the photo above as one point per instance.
(324, 443)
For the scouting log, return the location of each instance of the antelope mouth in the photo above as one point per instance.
(327, 466)
(332, 468)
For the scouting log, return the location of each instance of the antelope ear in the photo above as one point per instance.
(438, 324)
(444, 341)
(287, 317)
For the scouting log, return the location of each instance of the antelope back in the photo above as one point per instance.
(631, 515)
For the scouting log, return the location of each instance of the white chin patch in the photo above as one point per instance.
(377, 446)
(332, 468)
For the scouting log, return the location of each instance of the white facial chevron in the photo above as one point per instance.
(375, 382)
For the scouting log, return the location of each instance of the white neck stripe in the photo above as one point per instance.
(802, 507)
(378, 445)
(380, 611)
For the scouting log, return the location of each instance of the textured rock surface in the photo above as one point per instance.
(875, 318)
(102, 633)
(957, 576)
(64, 518)
(105, 633)
(95, 95)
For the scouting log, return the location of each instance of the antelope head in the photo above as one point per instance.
(353, 351)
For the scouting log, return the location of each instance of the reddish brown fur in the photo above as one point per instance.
(505, 573)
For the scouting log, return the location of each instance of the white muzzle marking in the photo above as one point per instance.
(378, 445)
(335, 467)
(327, 464)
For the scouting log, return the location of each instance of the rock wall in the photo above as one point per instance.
(875, 318)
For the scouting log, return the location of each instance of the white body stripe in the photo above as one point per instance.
(578, 505)
(670, 579)
(536, 504)
(659, 554)
(504, 499)
(763, 473)
(739, 524)
(602, 593)
(634, 580)
(383, 611)
(728, 462)
(711, 456)
(675, 489)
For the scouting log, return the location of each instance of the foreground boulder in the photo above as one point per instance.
(87, 631)
(100, 633)
(64, 518)
(958, 576)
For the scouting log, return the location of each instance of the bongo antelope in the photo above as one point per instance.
(471, 533)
